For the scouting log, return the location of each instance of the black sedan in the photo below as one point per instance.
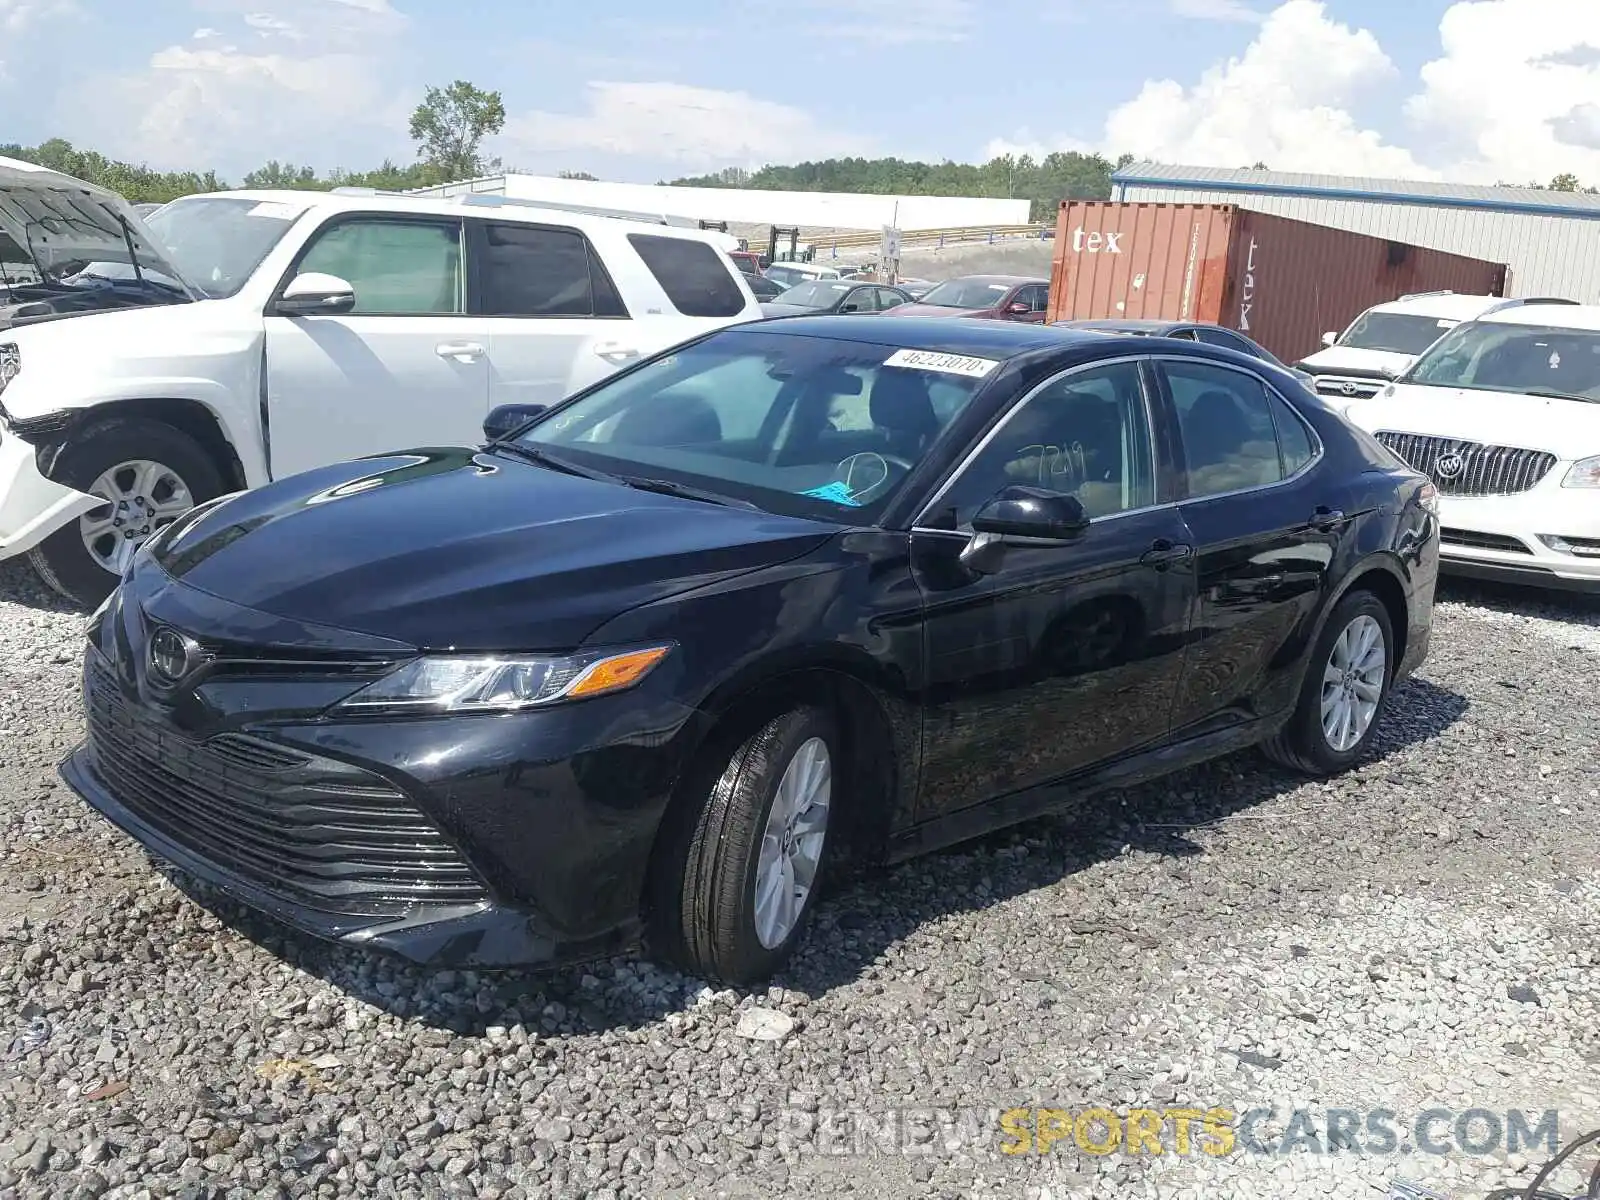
(644, 663)
(823, 296)
(1189, 331)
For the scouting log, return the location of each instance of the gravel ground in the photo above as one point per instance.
(1415, 935)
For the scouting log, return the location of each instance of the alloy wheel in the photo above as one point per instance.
(1352, 683)
(791, 843)
(141, 497)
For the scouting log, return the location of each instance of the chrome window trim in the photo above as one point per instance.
(1319, 451)
(983, 443)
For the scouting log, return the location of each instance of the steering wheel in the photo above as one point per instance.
(865, 493)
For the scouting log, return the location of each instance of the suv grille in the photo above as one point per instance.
(320, 832)
(1461, 468)
(1348, 387)
(1483, 541)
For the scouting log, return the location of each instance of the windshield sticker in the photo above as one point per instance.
(276, 210)
(1447, 323)
(835, 492)
(948, 364)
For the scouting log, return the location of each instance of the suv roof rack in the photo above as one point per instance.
(1522, 300)
(1425, 295)
(491, 200)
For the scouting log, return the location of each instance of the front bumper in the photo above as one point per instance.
(1498, 537)
(31, 506)
(483, 841)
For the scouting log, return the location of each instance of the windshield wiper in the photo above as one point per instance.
(667, 487)
(1552, 394)
(543, 458)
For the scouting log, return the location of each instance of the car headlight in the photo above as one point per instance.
(444, 684)
(1584, 473)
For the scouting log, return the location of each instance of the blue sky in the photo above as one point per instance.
(637, 92)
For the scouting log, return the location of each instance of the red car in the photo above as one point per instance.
(997, 297)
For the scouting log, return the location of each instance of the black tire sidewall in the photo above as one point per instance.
(800, 727)
(1313, 742)
(62, 559)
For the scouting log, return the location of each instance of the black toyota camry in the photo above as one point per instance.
(643, 663)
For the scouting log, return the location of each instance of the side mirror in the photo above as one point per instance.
(1330, 338)
(314, 294)
(1031, 512)
(507, 418)
(1019, 308)
(851, 307)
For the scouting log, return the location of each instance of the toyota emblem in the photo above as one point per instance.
(1449, 466)
(1349, 387)
(172, 656)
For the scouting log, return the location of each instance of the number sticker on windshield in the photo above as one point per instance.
(947, 364)
(276, 210)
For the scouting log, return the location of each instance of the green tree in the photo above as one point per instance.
(449, 127)
(285, 175)
(584, 175)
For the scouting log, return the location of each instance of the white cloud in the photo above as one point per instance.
(1513, 93)
(1216, 10)
(689, 127)
(19, 19)
(307, 83)
(885, 22)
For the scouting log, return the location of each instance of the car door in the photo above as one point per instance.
(859, 300)
(406, 367)
(1251, 499)
(1067, 654)
(1036, 296)
(888, 298)
(554, 318)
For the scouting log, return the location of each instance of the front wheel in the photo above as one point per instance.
(148, 474)
(742, 861)
(1345, 692)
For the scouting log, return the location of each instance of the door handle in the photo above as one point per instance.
(1326, 520)
(1163, 553)
(460, 351)
(616, 352)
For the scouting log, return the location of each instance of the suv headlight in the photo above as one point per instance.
(447, 684)
(1584, 473)
(10, 363)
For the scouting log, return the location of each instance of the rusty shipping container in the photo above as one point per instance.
(1280, 282)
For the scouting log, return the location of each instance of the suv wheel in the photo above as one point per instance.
(149, 474)
(1345, 692)
(743, 860)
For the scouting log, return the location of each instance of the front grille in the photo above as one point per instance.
(316, 831)
(1483, 541)
(1462, 468)
(1355, 389)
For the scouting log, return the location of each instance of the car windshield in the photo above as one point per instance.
(804, 426)
(966, 293)
(1502, 357)
(219, 241)
(1397, 333)
(814, 295)
(52, 239)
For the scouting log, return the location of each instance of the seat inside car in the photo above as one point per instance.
(671, 419)
(902, 409)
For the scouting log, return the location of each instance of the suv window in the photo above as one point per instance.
(1086, 433)
(399, 267)
(693, 274)
(541, 271)
(1225, 419)
(1225, 339)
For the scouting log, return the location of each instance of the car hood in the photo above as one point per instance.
(1348, 358)
(771, 308)
(467, 550)
(1569, 429)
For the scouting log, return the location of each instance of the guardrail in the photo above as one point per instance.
(937, 237)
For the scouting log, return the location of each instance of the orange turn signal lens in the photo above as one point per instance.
(615, 673)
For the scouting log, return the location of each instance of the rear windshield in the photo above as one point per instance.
(694, 275)
(967, 293)
(1397, 333)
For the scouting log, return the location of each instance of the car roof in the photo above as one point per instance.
(1444, 304)
(517, 211)
(1005, 279)
(942, 335)
(1133, 325)
(1560, 316)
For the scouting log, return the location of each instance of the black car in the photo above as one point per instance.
(643, 663)
(1190, 331)
(764, 288)
(823, 296)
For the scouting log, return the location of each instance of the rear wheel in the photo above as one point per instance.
(148, 474)
(1345, 692)
(742, 860)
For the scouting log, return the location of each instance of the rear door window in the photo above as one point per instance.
(542, 271)
(695, 277)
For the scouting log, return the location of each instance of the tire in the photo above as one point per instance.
(704, 915)
(1303, 744)
(63, 559)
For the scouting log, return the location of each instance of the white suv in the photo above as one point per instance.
(1386, 339)
(326, 326)
(1503, 414)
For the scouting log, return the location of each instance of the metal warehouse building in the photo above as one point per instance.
(1549, 240)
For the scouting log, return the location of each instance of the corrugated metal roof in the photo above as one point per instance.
(1359, 187)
